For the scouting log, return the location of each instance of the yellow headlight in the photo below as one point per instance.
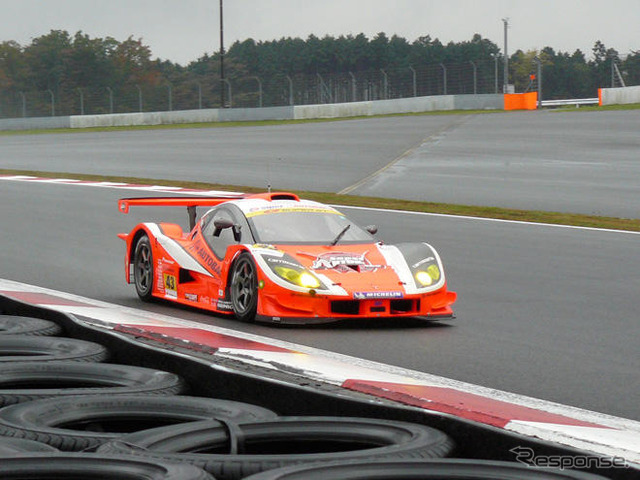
(424, 278)
(301, 278)
(308, 281)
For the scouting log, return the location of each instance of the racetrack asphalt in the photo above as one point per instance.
(548, 312)
(544, 160)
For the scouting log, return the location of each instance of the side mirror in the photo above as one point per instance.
(372, 229)
(221, 224)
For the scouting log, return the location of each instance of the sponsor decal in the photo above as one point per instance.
(280, 261)
(376, 295)
(423, 261)
(199, 250)
(342, 262)
(192, 297)
(222, 305)
(170, 285)
(252, 212)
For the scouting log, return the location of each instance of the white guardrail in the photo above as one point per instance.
(574, 101)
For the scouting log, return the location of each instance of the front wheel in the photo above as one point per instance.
(143, 268)
(244, 288)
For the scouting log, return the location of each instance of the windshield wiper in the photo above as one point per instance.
(341, 234)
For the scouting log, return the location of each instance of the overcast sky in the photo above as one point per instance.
(183, 30)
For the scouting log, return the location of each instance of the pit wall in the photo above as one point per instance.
(619, 96)
(379, 107)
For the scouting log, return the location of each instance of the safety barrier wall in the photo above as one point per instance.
(379, 107)
(619, 96)
(521, 101)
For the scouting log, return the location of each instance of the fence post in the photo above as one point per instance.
(354, 88)
(81, 101)
(110, 99)
(475, 77)
(539, 78)
(170, 98)
(444, 77)
(385, 85)
(24, 104)
(290, 90)
(139, 98)
(415, 82)
(259, 91)
(224, 80)
(53, 107)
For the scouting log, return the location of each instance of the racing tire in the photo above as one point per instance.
(10, 447)
(26, 348)
(234, 451)
(86, 465)
(16, 325)
(143, 274)
(244, 288)
(24, 381)
(437, 469)
(83, 423)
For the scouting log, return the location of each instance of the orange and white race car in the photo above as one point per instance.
(273, 257)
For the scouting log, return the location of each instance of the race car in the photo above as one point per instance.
(273, 257)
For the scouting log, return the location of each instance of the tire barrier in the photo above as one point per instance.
(85, 422)
(233, 451)
(135, 422)
(13, 446)
(75, 466)
(16, 325)
(24, 381)
(438, 469)
(23, 348)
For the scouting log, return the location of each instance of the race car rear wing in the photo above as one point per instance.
(190, 202)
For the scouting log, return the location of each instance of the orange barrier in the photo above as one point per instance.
(521, 101)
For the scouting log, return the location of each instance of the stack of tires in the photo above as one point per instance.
(67, 413)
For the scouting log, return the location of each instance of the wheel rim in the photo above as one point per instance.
(243, 287)
(143, 268)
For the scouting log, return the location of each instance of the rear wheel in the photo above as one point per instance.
(143, 268)
(244, 288)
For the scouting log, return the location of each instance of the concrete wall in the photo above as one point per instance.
(619, 96)
(37, 123)
(379, 107)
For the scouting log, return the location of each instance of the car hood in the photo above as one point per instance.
(367, 270)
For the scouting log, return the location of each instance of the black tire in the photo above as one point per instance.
(143, 273)
(85, 422)
(24, 381)
(86, 465)
(16, 325)
(285, 441)
(438, 469)
(26, 348)
(10, 447)
(243, 288)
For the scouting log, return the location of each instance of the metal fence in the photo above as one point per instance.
(253, 91)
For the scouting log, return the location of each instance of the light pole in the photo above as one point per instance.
(506, 57)
(222, 79)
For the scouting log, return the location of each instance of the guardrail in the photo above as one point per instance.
(573, 101)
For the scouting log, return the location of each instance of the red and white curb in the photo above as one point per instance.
(600, 434)
(118, 185)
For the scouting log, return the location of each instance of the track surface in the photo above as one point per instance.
(555, 161)
(543, 311)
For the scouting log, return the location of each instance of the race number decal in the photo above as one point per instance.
(170, 284)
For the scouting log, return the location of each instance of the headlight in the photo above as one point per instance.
(428, 276)
(299, 277)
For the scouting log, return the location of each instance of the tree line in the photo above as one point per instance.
(64, 64)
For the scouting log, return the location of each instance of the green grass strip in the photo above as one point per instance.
(556, 218)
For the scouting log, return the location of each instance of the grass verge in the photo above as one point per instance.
(556, 218)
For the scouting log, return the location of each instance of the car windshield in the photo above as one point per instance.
(311, 227)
